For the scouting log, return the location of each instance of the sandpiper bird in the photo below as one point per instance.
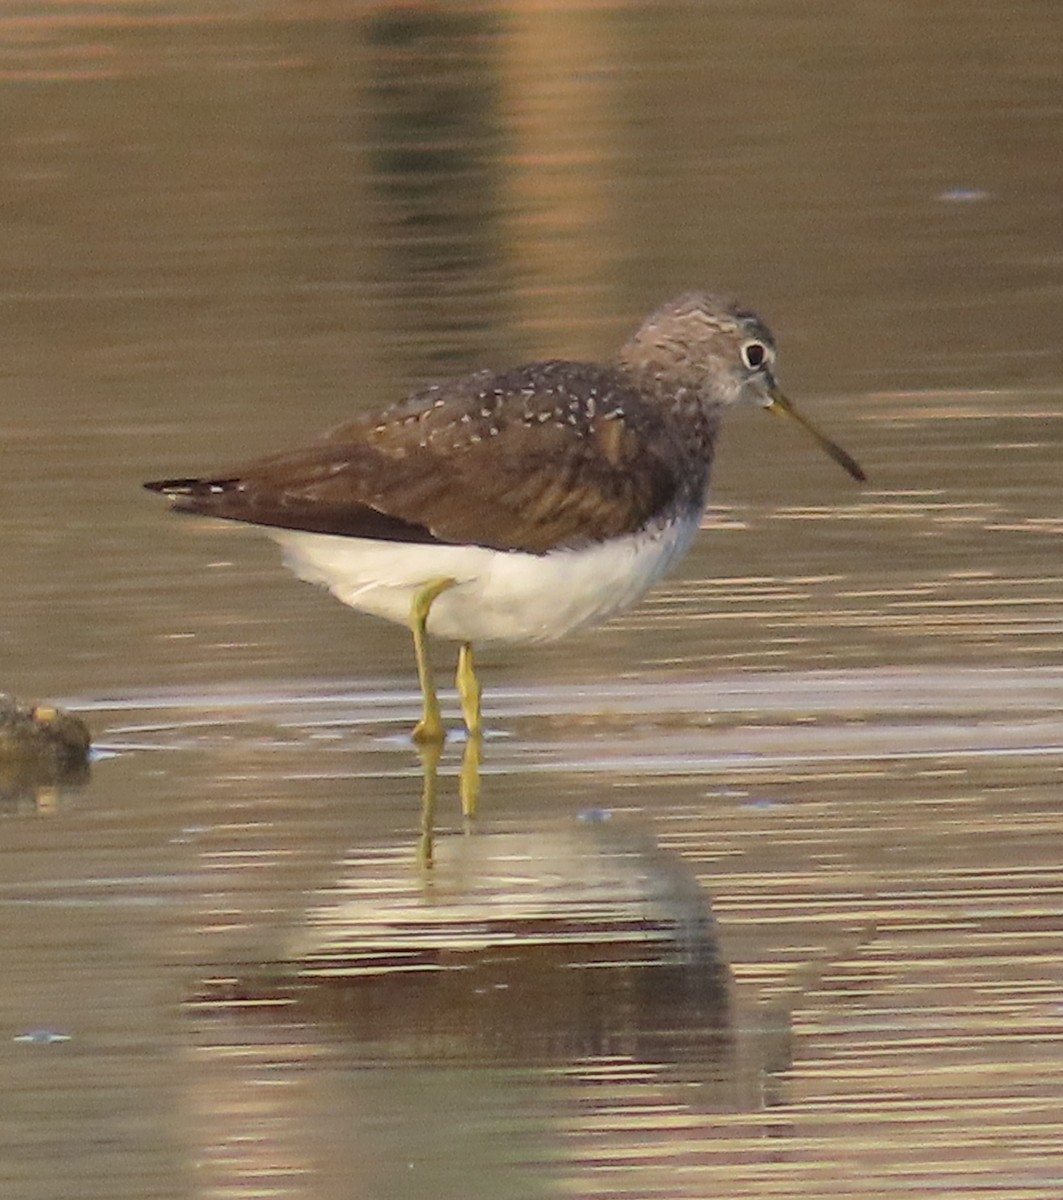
(514, 506)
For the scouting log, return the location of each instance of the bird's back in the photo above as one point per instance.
(547, 455)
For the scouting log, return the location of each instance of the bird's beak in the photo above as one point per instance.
(778, 403)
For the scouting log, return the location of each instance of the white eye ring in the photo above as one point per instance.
(755, 355)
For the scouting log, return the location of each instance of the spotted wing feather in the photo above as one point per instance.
(549, 455)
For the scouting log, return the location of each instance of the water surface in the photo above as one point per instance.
(763, 894)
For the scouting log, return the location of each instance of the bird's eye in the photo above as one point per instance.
(754, 355)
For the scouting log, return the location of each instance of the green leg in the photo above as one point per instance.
(430, 727)
(469, 690)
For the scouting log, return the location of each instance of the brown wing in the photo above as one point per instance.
(548, 455)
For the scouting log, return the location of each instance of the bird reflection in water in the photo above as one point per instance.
(579, 941)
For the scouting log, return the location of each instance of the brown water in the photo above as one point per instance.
(764, 895)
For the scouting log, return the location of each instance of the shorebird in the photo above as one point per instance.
(514, 506)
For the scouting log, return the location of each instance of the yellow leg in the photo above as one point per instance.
(430, 727)
(469, 690)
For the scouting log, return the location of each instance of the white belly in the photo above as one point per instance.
(498, 595)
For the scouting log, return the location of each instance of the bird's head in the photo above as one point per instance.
(722, 352)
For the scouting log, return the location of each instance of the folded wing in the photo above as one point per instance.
(551, 455)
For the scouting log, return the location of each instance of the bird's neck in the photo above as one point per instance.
(692, 418)
(678, 393)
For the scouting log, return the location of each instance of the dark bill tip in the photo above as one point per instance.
(780, 404)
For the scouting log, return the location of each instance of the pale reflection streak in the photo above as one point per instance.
(556, 99)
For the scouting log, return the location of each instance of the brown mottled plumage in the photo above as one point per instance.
(543, 456)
